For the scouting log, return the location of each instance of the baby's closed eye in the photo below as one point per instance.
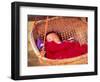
(49, 40)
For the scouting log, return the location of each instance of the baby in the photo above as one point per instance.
(57, 49)
(53, 36)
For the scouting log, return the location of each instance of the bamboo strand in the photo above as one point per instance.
(45, 30)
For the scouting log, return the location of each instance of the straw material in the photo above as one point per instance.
(66, 27)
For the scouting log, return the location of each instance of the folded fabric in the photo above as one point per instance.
(64, 50)
(39, 43)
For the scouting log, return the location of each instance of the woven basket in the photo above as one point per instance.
(66, 27)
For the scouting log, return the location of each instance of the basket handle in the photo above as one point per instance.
(45, 30)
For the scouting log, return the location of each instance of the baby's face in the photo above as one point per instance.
(53, 37)
(50, 37)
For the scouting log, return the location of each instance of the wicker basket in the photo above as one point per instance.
(66, 27)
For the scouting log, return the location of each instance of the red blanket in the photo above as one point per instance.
(64, 50)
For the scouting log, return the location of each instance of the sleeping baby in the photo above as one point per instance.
(57, 49)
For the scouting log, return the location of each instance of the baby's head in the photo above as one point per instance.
(52, 36)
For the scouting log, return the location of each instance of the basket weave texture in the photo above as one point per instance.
(66, 27)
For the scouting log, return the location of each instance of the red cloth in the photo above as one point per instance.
(64, 50)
